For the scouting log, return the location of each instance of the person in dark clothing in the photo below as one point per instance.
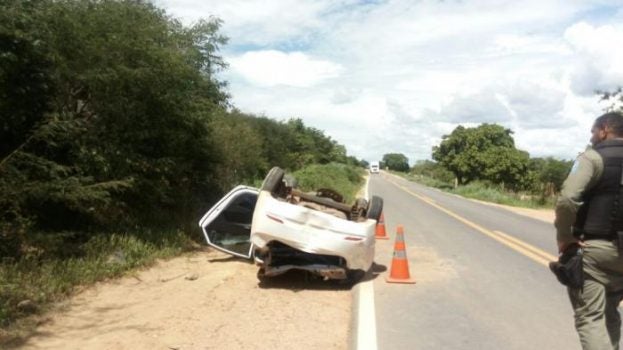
(588, 214)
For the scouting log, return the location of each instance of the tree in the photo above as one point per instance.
(433, 170)
(240, 147)
(614, 98)
(550, 173)
(486, 152)
(396, 161)
(105, 110)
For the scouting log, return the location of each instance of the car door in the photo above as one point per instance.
(227, 225)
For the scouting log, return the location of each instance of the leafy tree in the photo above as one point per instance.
(240, 145)
(433, 170)
(293, 145)
(311, 146)
(486, 152)
(105, 110)
(396, 161)
(550, 173)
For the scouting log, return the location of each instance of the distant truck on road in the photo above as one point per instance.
(374, 167)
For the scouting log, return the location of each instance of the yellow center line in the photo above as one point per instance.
(535, 250)
(517, 245)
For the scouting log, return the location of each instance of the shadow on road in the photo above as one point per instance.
(297, 280)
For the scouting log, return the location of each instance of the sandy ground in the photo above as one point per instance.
(208, 300)
(204, 300)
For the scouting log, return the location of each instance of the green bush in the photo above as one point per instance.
(345, 179)
(495, 194)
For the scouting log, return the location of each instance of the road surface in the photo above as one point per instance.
(482, 279)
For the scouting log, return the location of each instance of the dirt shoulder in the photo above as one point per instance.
(204, 300)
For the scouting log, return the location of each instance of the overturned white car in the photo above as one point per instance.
(282, 228)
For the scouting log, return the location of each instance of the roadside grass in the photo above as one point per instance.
(484, 192)
(29, 286)
(345, 179)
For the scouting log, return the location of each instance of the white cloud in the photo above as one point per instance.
(599, 57)
(260, 22)
(395, 75)
(270, 68)
(482, 107)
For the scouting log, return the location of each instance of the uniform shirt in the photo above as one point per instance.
(585, 173)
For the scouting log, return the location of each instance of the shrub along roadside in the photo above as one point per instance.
(30, 284)
(482, 191)
(345, 179)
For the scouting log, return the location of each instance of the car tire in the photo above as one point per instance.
(273, 180)
(375, 208)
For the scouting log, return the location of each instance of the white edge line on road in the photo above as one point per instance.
(366, 323)
(366, 318)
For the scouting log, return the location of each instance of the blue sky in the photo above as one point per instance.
(396, 75)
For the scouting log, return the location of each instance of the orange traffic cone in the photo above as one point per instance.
(399, 272)
(380, 229)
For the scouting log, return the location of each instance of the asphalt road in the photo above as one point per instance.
(482, 279)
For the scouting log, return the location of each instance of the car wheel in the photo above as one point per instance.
(361, 203)
(273, 180)
(375, 208)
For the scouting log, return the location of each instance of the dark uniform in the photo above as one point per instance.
(588, 205)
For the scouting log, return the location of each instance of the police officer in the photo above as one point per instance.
(589, 213)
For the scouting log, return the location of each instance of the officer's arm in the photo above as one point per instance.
(583, 175)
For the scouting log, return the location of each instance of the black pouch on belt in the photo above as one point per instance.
(568, 268)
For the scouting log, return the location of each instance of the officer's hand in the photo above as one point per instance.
(562, 246)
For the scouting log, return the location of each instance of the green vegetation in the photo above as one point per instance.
(395, 161)
(426, 169)
(490, 193)
(346, 179)
(252, 145)
(112, 120)
(484, 191)
(483, 163)
(486, 152)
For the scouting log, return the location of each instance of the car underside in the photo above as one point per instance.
(287, 229)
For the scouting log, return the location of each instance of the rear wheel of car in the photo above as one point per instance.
(273, 180)
(375, 208)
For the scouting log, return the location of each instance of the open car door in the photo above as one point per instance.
(227, 225)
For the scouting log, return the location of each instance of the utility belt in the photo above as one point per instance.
(615, 237)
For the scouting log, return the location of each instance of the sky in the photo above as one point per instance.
(394, 76)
